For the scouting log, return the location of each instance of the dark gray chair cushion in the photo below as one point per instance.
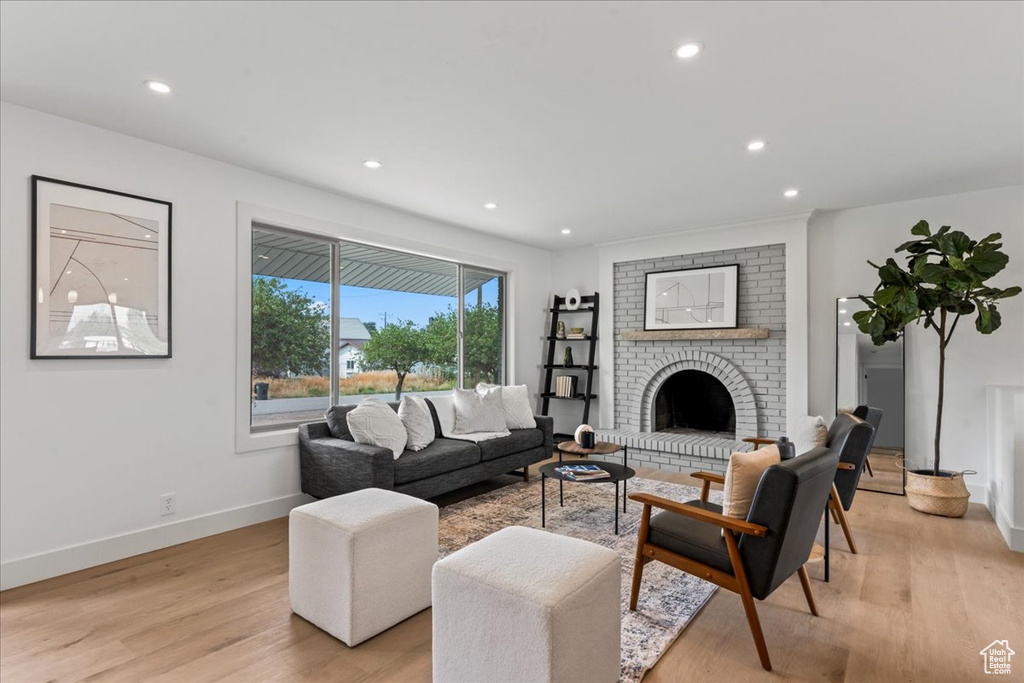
(443, 455)
(691, 538)
(518, 440)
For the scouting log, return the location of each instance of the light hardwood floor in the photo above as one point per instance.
(918, 603)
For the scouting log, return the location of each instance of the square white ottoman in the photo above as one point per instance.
(360, 563)
(527, 606)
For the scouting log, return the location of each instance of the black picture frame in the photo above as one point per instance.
(730, 303)
(40, 296)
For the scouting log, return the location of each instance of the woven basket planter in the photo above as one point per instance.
(946, 496)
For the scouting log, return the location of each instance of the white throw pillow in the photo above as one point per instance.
(810, 432)
(478, 412)
(515, 399)
(374, 422)
(415, 415)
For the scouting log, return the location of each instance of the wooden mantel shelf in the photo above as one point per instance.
(681, 335)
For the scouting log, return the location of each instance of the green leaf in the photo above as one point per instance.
(987, 263)
(921, 228)
(886, 296)
(1007, 293)
(956, 263)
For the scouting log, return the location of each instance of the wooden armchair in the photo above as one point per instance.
(752, 557)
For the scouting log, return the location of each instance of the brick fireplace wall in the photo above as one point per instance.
(762, 303)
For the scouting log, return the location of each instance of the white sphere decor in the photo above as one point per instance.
(580, 430)
(572, 299)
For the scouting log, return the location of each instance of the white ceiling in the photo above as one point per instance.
(566, 114)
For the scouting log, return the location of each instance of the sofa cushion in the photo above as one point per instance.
(443, 455)
(418, 420)
(519, 440)
(337, 422)
(376, 423)
(691, 538)
(478, 411)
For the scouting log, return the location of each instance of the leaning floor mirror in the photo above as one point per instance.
(869, 383)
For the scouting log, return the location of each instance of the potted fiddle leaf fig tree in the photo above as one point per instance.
(943, 281)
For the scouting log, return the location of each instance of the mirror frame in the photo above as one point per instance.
(835, 391)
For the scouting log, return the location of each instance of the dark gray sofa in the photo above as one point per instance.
(331, 462)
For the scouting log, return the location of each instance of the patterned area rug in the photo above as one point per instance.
(669, 598)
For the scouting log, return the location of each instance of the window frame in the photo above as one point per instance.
(251, 215)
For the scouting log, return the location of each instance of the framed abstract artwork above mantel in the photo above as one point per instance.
(692, 299)
(101, 266)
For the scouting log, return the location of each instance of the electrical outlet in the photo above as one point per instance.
(168, 504)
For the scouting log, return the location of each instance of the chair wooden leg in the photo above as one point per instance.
(748, 600)
(832, 511)
(867, 464)
(638, 566)
(805, 581)
(837, 508)
(526, 473)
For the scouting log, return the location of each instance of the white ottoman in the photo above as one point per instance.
(527, 606)
(360, 563)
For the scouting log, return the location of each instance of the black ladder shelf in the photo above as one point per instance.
(588, 305)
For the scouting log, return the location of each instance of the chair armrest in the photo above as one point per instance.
(712, 477)
(846, 466)
(330, 466)
(732, 524)
(758, 441)
(707, 478)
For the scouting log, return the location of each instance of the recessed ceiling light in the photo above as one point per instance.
(789, 194)
(126, 279)
(755, 145)
(846, 324)
(159, 86)
(372, 164)
(566, 231)
(842, 310)
(147, 237)
(844, 299)
(490, 206)
(68, 273)
(688, 50)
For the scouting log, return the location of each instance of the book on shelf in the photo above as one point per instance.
(565, 386)
(575, 336)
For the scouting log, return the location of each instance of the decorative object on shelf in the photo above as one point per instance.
(944, 281)
(578, 434)
(101, 264)
(567, 357)
(561, 330)
(576, 330)
(697, 298)
(572, 299)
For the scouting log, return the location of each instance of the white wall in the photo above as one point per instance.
(87, 447)
(848, 371)
(840, 243)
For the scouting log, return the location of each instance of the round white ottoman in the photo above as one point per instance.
(527, 606)
(360, 563)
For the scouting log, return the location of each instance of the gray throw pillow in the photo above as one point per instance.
(478, 412)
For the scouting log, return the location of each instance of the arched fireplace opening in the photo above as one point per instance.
(692, 400)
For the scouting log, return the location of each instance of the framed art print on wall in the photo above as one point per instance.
(101, 266)
(693, 299)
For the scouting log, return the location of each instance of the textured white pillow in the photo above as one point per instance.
(478, 411)
(810, 433)
(415, 415)
(374, 422)
(515, 399)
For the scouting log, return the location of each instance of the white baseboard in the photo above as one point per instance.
(73, 558)
(979, 494)
(1014, 536)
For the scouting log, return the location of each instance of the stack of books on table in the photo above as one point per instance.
(583, 472)
(565, 386)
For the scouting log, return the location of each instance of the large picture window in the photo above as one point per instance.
(335, 321)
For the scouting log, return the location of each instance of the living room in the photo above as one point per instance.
(478, 177)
